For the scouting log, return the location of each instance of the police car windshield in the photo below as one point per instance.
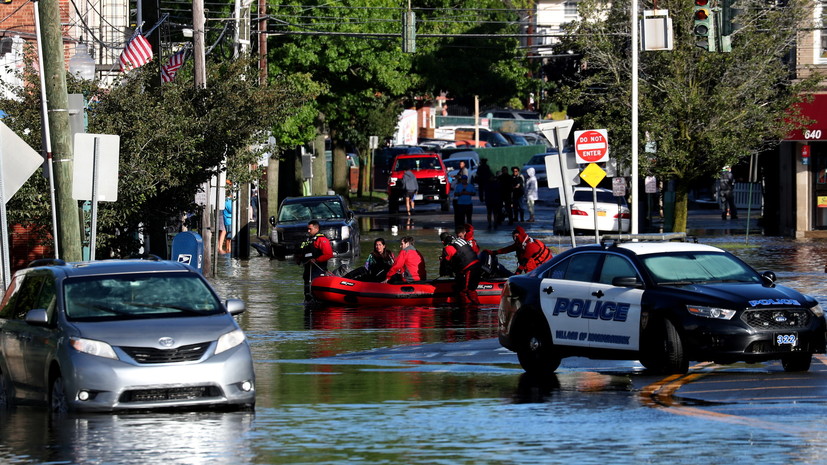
(698, 268)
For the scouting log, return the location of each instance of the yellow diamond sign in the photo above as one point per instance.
(593, 174)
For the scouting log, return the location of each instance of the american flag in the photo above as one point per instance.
(174, 63)
(137, 53)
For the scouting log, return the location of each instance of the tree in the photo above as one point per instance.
(173, 138)
(354, 51)
(704, 110)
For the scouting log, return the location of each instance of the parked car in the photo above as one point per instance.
(661, 302)
(472, 162)
(383, 160)
(509, 113)
(430, 174)
(467, 133)
(121, 335)
(514, 138)
(336, 221)
(536, 139)
(610, 211)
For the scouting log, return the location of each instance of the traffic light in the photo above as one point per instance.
(704, 26)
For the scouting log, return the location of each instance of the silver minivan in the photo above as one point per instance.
(117, 335)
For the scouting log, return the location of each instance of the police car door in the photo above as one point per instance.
(614, 321)
(565, 294)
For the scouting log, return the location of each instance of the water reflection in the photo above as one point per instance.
(32, 435)
(315, 404)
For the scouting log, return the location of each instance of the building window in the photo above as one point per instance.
(570, 8)
(820, 34)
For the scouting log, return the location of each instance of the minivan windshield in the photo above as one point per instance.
(137, 296)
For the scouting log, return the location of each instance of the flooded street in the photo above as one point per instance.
(336, 385)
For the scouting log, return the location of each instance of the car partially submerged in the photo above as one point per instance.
(664, 303)
(336, 221)
(121, 335)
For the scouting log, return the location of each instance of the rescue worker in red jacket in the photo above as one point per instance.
(459, 260)
(531, 252)
(466, 232)
(314, 254)
(409, 265)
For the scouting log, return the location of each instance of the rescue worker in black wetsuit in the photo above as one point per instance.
(460, 261)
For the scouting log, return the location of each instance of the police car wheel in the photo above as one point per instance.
(796, 362)
(666, 353)
(537, 353)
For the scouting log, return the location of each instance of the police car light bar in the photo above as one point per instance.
(660, 237)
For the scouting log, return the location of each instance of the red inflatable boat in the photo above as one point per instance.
(344, 291)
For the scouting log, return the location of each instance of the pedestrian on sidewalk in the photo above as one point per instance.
(531, 192)
(726, 195)
(464, 201)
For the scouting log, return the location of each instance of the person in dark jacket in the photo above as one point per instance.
(460, 261)
(726, 196)
(379, 261)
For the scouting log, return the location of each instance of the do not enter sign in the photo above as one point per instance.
(591, 146)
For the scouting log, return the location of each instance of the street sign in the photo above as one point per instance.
(109, 149)
(593, 174)
(562, 129)
(591, 146)
(19, 161)
(619, 187)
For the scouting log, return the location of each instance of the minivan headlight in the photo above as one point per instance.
(92, 347)
(229, 340)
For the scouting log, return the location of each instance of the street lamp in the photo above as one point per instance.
(82, 65)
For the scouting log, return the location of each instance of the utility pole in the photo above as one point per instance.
(199, 58)
(57, 97)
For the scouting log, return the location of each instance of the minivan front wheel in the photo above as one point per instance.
(58, 403)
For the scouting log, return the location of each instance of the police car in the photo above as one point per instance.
(660, 299)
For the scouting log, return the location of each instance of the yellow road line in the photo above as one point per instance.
(660, 395)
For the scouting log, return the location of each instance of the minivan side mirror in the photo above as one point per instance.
(235, 306)
(37, 317)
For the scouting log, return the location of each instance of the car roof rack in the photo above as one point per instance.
(650, 237)
(46, 262)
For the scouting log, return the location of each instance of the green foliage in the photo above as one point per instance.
(367, 78)
(704, 110)
(173, 138)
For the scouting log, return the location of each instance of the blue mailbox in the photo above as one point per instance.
(188, 247)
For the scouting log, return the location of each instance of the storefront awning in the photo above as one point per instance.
(817, 111)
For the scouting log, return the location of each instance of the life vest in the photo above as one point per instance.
(308, 248)
(539, 257)
(465, 255)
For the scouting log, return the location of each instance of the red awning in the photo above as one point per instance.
(817, 111)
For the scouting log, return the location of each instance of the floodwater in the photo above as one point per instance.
(335, 386)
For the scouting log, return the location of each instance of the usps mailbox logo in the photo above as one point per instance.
(185, 258)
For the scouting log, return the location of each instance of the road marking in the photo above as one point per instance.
(659, 395)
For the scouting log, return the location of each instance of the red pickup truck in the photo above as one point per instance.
(430, 174)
